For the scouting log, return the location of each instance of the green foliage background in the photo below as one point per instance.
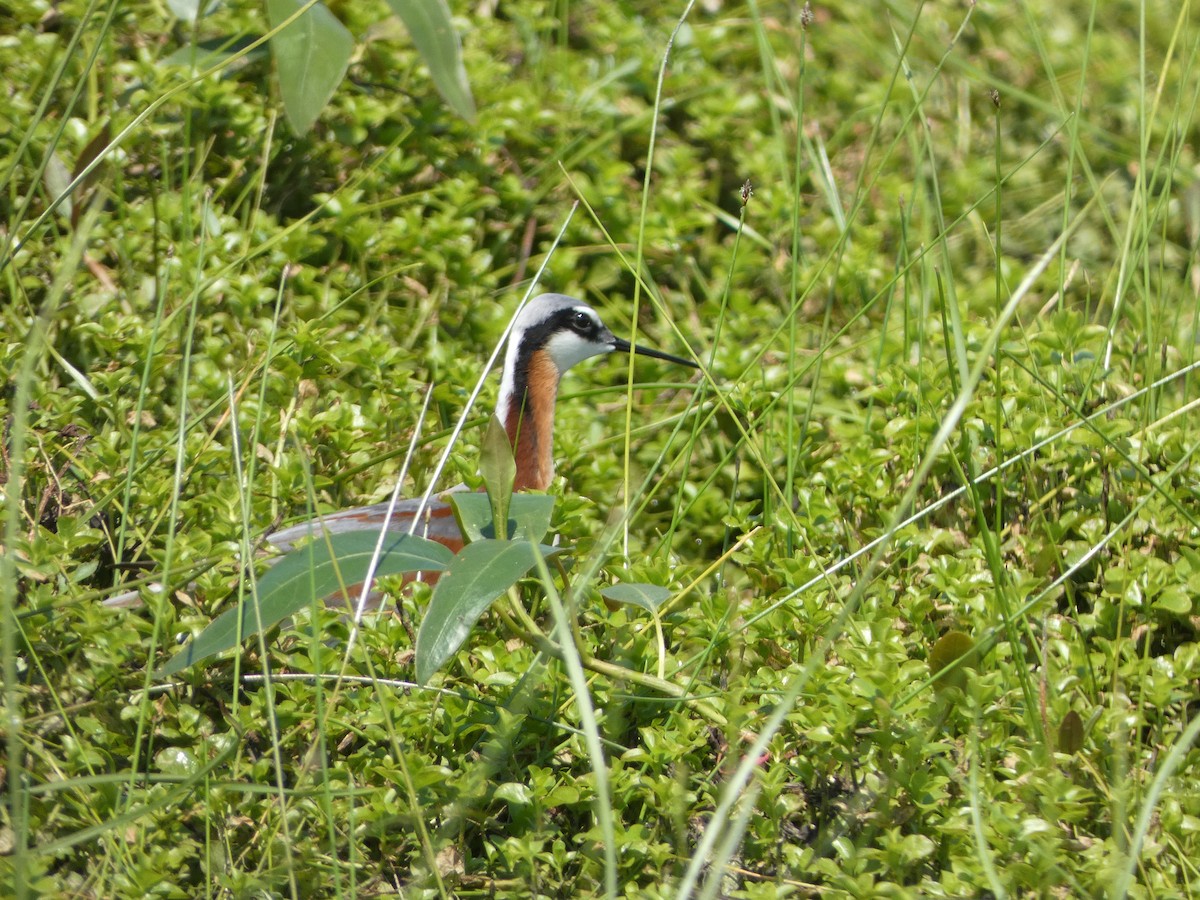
(229, 325)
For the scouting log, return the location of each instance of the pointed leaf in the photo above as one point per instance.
(320, 569)
(648, 596)
(473, 512)
(482, 571)
(433, 34)
(499, 471)
(528, 516)
(311, 55)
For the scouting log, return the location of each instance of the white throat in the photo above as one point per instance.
(567, 348)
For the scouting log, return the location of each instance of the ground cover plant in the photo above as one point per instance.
(927, 523)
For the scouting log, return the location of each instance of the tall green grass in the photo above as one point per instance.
(948, 341)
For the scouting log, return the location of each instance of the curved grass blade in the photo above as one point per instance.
(321, 569)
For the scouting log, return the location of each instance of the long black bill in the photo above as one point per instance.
(625, 347)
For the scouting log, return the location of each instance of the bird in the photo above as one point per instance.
(551, 334)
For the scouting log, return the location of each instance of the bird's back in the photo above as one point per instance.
(437, 523)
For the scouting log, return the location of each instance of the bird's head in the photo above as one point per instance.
(569, 331)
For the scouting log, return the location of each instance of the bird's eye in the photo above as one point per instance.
(581, 322)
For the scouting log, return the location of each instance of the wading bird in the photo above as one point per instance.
(552, 333)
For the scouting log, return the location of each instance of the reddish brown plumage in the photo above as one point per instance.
(530, 425)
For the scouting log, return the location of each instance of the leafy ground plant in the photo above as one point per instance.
(928, 519)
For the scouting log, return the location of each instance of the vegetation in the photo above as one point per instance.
(929, 517)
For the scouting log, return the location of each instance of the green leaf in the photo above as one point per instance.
(648, 596)
(433, 34)
(311, 56)
(482, 571)
(949, 649)
(514, 793)
(528, 516)
(499, 471)
(1174, 599)
(320, 569)
(914, 847)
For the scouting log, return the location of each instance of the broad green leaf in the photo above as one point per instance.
(1174, 599)
(648, 596)
(499, 471)
(528, 516)
(433, 34)
(311, 56)
(320, 569)
(481, 572)
(514, 793)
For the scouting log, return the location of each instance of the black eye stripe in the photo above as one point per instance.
(569, 320)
